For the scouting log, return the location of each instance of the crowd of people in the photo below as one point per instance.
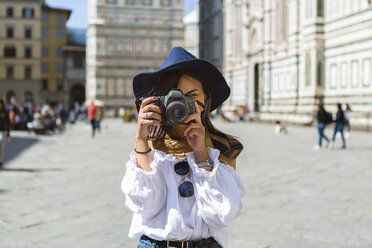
(341, 120)
(46, 118)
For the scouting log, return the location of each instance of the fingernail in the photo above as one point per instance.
(154, 97)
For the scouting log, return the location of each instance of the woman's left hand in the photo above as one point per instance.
(195, 134)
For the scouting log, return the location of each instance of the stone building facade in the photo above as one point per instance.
(53, 63)
(126, 37)
(280, 55)
(20, 50)
(211, 31)
(74, 53)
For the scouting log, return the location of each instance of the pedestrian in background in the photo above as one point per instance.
(99, 117)
(323, 118)
(4, 130)
(339, 127)
(347, 113)
(92, 113)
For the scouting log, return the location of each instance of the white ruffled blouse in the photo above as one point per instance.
(161, 213)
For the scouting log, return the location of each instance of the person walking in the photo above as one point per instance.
(180, 181)
(339, 127)
(92, 113)
(347, 114)
(4, 130)
(99, 117)
(323, 118)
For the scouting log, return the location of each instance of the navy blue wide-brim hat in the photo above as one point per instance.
(180, 59)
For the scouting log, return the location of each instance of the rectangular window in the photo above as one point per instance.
(28, 12)
(9, 12)
(28, 72)
(128, 48)
(130, 2)
(45, 32)
(28, 52)
(156, 47)
(45, 52)
(9, 72)
(45, 17)
(45, 67)
(354, 73)
(111, 1)
(59, 52)
(165, 49)
(60, 18)
(120, 47)
(320, 9)
(333, 83)
(28, 32)
(343, 78)
(44, 84)
(138, 47)
(9, 32)
(147, 2)
(120, 87)
(111, 87)
(59, 67)
(60, 33)
(60, 85)
(78, 61)
(99, 87)
(9, 52)
(367, 70)
(307, 69)
(111, 47)
(309, 9)
(165, 3)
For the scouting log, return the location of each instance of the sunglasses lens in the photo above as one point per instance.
(186, 189)
(181, 168)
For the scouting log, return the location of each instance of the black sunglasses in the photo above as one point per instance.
(186, 189)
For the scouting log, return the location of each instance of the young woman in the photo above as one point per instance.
(181, 184)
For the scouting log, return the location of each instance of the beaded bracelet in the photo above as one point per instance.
(149, 150)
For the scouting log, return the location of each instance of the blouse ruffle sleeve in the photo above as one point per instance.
(145, 191)
(218, 193)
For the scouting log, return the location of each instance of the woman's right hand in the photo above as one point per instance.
(148, 115)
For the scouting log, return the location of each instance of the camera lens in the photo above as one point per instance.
(176, 112)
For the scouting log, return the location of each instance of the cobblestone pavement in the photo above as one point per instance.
(64, 190)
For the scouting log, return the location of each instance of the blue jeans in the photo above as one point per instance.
(145, 243)
(321, 126)
(339, 128)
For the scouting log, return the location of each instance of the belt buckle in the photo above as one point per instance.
(182, 246)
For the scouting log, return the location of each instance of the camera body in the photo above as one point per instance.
(175, 107)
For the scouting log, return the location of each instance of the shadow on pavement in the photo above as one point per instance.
(359, 148)
(16, 146)
(30, 170)
(2, 191)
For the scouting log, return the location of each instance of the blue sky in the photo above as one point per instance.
(79, 15)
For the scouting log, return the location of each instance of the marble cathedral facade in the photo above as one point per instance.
(126, 37)
(282, 54)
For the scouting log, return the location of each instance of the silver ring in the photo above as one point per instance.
(146, 115)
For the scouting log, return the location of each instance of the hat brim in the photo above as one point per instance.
(211, 76)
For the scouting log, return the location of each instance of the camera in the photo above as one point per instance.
(175, 107)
